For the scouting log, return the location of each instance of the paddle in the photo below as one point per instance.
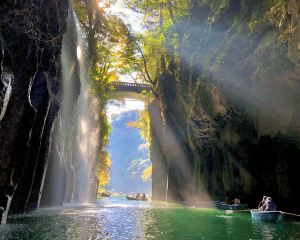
(234, 211)
(292, 214)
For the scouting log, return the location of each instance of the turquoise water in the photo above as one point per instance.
(117, 218)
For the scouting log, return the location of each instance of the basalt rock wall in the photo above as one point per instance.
(30, 38)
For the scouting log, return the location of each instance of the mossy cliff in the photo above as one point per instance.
(230, 96)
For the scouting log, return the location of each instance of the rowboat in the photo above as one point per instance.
(136, 199)
(224, 206)
(267, 216)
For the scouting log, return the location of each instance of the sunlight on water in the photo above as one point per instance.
(117, 218)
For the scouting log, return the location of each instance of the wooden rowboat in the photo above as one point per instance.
(224, 206)
(136, 199)
(266, 216)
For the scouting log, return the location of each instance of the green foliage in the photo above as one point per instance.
(180, 36)
(103, 170)
(111, 53)
(143, 124)
(147, 174)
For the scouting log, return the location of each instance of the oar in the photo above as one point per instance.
(234, 211)
(292, 214)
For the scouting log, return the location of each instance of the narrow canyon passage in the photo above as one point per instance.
(142, 119)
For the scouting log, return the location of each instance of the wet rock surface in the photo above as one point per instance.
(31, 39)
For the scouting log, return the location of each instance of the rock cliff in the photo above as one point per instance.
(231, 100)
(30, 38)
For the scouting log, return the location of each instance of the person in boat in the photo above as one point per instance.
(237, 201)
(262, 203)
(269, 205)
(138, 196)
(227, 200)
(144, 196)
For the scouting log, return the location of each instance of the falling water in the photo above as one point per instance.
(71, 176)
(87, 127)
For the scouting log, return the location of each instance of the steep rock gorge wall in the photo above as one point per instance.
(231, 98)
(31, 39)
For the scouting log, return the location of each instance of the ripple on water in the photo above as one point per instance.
(118, 219)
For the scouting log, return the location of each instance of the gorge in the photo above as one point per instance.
(223, 106)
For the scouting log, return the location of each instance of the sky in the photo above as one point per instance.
(115, 108)
(130, 17)
(129, 152)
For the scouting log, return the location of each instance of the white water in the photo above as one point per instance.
(73, 175)
(87, 128)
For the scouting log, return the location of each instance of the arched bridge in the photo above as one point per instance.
(129, 87)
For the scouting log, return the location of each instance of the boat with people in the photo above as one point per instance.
(137, 197)
(105, 194)
(266, 216)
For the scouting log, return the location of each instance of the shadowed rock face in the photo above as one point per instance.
(30, 38)
(234, 109)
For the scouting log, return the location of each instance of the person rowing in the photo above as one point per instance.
(269, 205)
(262, 203)
(138, 196)
(237, 201)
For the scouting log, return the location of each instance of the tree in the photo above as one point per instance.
(143, 125)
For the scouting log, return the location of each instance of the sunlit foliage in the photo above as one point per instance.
(143, 124)
(110, 47)
(103, 173)
(111, 53)
(147, 174)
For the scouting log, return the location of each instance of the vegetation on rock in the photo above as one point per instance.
(221, 71)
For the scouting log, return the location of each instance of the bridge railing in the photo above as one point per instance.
(131, 85)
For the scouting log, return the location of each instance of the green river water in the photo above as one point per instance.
(117, 218)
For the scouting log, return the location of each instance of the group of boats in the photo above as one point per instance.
(257, 214)
(128, 197)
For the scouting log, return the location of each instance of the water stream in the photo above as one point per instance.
(87, 128)
(117, 218)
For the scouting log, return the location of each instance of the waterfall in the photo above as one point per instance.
(71, 176)
(87, 126)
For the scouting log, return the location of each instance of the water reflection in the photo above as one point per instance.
(122, 219)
